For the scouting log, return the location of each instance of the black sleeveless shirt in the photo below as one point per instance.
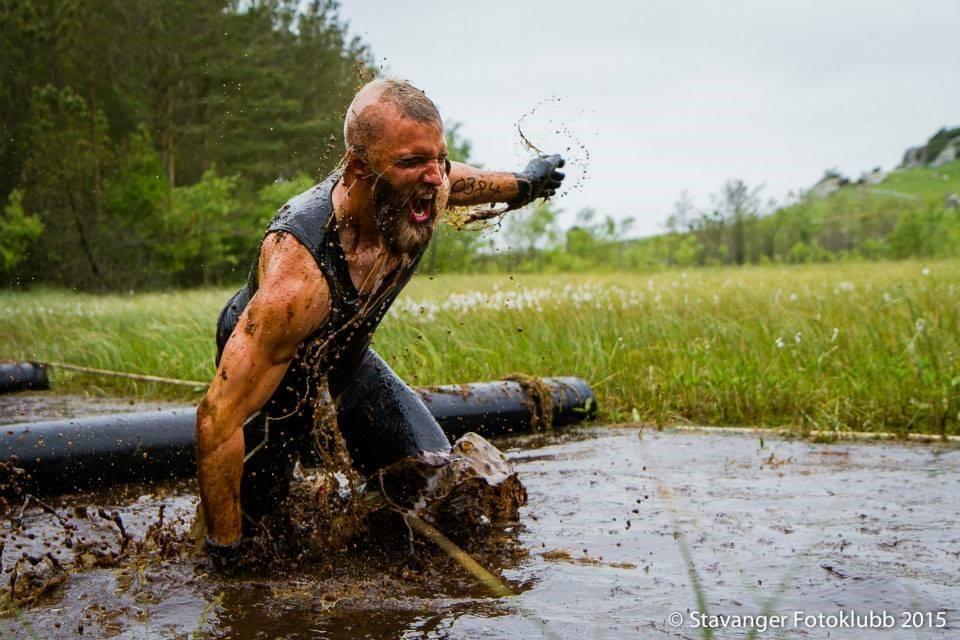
(338, 346)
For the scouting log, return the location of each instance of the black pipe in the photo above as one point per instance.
(20, 376)
(63, 456)
(504, 407)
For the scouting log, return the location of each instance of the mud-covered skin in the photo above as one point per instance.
(396, 178)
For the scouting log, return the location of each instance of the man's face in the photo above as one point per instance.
(412, 185)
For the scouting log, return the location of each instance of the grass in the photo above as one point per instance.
(855, 346)
(930, 184)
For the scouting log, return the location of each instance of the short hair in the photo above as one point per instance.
(362, 127)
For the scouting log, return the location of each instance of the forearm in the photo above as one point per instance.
(232, 398)
(219, 470)
(471, 186)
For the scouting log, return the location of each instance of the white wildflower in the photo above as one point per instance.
(886, 298)
(798, 338)
(921, 325)
(794, 297)
(846, 285)
(780, 343)
(925, 271)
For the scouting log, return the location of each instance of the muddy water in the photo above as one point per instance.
(792, 525)
(33, 406)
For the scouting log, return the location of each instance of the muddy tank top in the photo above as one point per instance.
(337, 347)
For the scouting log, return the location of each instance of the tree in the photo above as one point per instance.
(108, 107)
(60, 184)
(17, 232)
(739, 206)
(198, 226)
(529, 232)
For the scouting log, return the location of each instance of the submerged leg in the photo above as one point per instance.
(274, 439)
(382, 419)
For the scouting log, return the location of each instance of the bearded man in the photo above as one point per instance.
(331, 262)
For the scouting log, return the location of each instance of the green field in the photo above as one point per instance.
(852, 346)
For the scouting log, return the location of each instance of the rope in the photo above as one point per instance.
(130, 376)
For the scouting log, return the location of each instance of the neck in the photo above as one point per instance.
(354, 210)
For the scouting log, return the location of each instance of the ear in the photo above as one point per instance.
(356, 169)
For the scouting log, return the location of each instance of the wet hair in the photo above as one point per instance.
(362, 126)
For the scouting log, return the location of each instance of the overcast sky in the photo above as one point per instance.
(654, 97)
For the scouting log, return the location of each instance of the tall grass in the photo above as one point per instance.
(854, 346)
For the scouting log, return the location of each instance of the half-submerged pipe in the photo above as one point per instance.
(63, 456)
(21, 376)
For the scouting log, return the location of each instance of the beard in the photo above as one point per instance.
(392, 211)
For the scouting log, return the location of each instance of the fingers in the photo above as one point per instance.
(556, 160)
(553, 182)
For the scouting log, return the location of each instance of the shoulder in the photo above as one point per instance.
(313, 202)
(291, 283)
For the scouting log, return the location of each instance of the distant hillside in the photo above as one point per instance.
(909, 212)
(941, 148)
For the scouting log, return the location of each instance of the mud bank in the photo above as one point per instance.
(787, 525)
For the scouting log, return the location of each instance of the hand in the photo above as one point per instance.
(540, 179)
(224, 557)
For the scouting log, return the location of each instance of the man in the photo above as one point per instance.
(330, 264)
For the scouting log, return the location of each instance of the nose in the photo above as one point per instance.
(434, 173)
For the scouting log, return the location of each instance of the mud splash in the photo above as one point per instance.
(789, 524)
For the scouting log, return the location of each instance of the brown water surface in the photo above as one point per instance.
(792, 525)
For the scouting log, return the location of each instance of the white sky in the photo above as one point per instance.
(673, 95)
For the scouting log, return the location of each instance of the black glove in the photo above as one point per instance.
(540, 179)
(224, 557)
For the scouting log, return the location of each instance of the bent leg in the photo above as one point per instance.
(382, 419)
(274, 439)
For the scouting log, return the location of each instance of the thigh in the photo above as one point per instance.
(382, 419)
(274, 438)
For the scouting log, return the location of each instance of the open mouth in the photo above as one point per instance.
(421, 208)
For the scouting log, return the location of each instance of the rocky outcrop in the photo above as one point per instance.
(914, 157)
(941, 148)
(949, 153)
(830, 182)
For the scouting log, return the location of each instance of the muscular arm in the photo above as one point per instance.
(471, 186)
(293, 300)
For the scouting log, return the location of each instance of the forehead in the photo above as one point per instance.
(402, 135)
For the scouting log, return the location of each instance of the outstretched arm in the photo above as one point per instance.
(292, 301)
(471, 186)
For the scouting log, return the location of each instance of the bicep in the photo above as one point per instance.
(249, 372)
(265, 340)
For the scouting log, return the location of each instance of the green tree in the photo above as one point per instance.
(17, 232)
(60, 185)
(198, 228)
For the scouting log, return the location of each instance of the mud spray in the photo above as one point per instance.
(537, 124)
(410, 517)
